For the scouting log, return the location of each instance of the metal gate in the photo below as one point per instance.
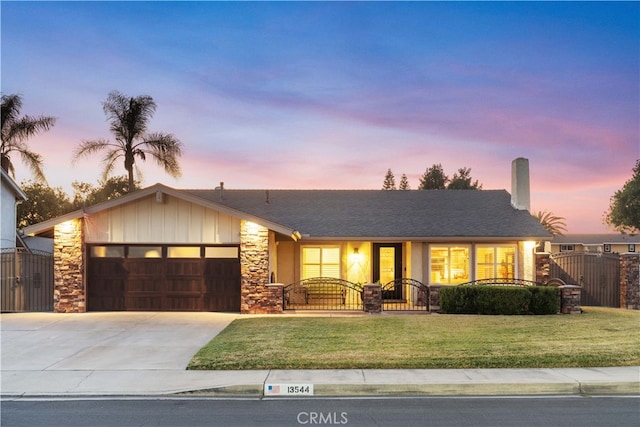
(405, 295)
(323, 293)
(597, 273)
(27, 280)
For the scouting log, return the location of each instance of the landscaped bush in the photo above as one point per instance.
(499, 300)
(544, 300)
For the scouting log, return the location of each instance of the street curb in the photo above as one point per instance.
(472, 389)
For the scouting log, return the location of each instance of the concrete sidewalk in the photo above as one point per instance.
(145, 354)
(356, 382)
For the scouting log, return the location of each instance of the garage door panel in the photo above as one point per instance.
(144, 302)
(164, 284)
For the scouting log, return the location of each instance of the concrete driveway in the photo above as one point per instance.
(116, 352)
(105, 341)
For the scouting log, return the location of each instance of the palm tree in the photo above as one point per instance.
(129, 118)
(15, 132)
(552, 223)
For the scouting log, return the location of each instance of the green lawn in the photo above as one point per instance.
(598, 337)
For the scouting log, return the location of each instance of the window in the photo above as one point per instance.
(145, 252)
(221, 252)
(107, 252)
(632, 248)
(607, 247)
(495, 262)
(320, 262)
(449, 264)
(183, 252)
(567, 248)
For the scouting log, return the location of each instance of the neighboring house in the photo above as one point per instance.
(11, 195)
(161, 248)
(595, 243)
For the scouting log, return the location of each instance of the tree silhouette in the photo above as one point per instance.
(129, 118)
(624, 207)
(15, 132)
(552, 223)
(389, 181)
(433, 178)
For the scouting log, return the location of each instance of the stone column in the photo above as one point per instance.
(69, 293)
(570, 297)
(254, 267)
(372, 298)
(434, 298)
(542, 267)
(630, 281)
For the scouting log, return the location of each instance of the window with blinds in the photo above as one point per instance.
(320, 262)
(496, 262)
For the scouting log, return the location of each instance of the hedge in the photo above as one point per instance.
(499, 299)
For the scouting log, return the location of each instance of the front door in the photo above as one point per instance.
(387, 267)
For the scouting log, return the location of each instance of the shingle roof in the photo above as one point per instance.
(378, 213)
(595, 239)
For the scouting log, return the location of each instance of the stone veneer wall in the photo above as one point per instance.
(542, 267)
(630, 281)
(255, 293)
(69, 294)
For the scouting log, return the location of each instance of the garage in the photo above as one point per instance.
(163, 278)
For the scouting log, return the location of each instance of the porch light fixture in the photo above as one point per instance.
(355, 251)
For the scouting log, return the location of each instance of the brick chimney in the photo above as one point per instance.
(520, 193)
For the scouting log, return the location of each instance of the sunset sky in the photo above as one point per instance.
(330, 94)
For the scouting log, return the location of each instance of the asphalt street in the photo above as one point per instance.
(566, 411)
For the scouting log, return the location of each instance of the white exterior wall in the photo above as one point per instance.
(169, 221)
(8, 212)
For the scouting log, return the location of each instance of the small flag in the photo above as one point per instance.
(273, 389)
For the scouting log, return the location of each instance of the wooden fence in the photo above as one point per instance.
(597, 273)
(27, 280)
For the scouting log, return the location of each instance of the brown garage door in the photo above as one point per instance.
(163, 278)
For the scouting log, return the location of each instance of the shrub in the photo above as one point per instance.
(544, 300)
(501, 300)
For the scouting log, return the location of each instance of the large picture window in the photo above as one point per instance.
(320, 262)
(449, 264)
(496, 262)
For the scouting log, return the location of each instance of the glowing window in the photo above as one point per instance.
(320, 262)
(221, 252)
(183, 252)
(107, 252)
(449, 264)
(495, 262)
(145, 252)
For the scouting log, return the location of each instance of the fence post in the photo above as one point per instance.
(570, 299)
(434, 298)
(372, 298)
(630, 281)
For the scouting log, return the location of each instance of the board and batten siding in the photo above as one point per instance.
(169, 221)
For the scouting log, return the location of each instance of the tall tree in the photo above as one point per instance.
(404, 183)
(462, 181)
(129, 119)
(433, 178)
(43, 203)
(389, 181)
(15, 132)
(624, 206)
(552, 223)
(86, 194)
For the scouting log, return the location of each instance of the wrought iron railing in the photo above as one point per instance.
(405, 295)
(323, 293)
(502, 281)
